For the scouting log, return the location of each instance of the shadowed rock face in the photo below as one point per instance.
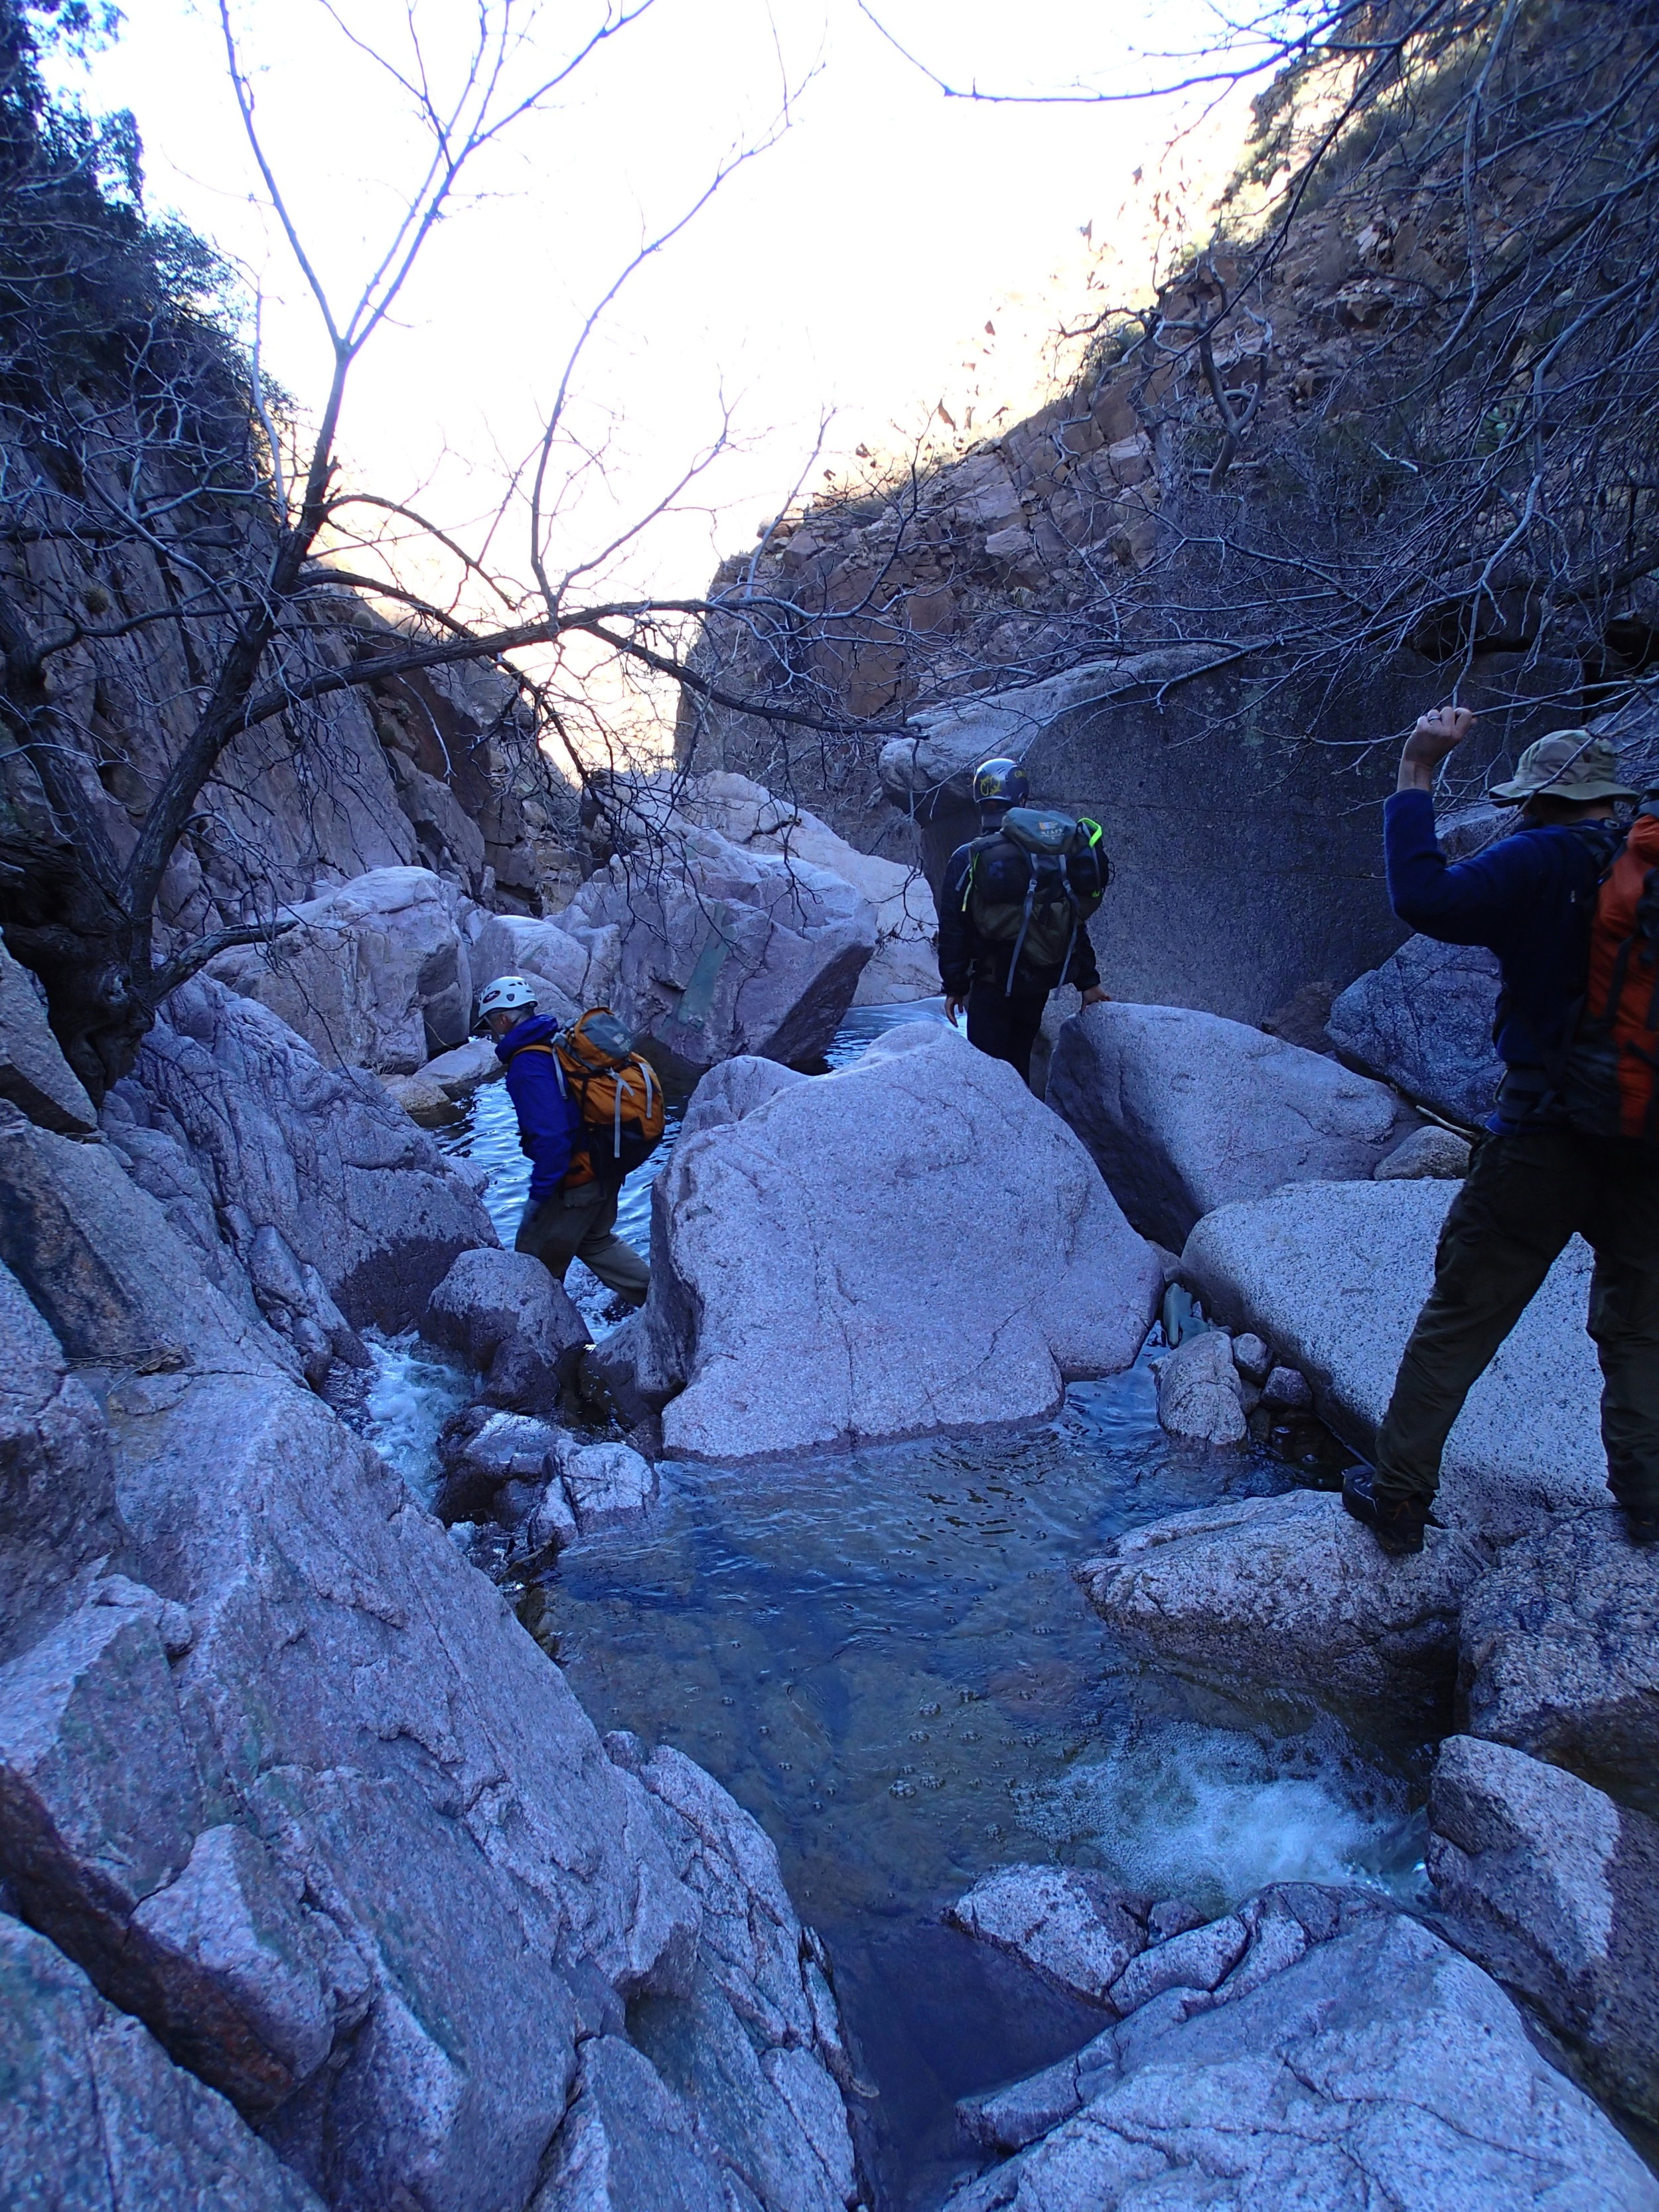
(58, 1517)
(1560, 1655)
(1424, 1021)
(33, 1073)
(1292, 1594)
(1183, 1112)
(911, 1243)
(1245, 831)
(508, 1318)
(307, 1804)
(1329, 2051)
(96, 2118)
(1552, 1888)
(280, 1140)
(1332, 1275)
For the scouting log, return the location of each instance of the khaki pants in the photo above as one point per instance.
(582, 1224)
(1525, 1197)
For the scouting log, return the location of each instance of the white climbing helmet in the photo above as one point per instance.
(506, 995)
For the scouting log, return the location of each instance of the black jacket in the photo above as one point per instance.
(965, 957)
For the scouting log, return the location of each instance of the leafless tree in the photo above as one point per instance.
(179, 551)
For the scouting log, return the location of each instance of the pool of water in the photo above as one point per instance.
(885, 1656)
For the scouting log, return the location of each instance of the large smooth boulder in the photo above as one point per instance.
(375, 974)
(97, 2119)
(57, 1517)
(726, 952)
(1422, 1020)
(910, 1244)
(507, 1317)
(1292, 1594)
(1183, 1112)
(571, 971)
(33, 1073)
(1554, 1890)
(905, 964)
(1349, 2057)
(1560, 1653)
(1332, 1275)
(321, 1154)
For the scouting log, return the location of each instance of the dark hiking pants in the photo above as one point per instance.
(582, 1224)
(1525, 1197)
(1005, 1027)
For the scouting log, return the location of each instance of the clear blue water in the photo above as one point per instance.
(886, 1658)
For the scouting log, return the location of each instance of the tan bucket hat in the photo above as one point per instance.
(1566, 764)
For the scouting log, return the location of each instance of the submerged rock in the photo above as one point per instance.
(1183, 1112)
(1422, 1020)
(726, 952)
(1554, 1890)
(912, 1243)
(1349, 2057)
(1291, 1594)
(507, 1317)
(1560, 1653)
(1199, 1396)
(376, 973)
(1333, 1276)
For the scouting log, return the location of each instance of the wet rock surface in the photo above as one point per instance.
(910, 1243)
(1184, 1112)
(1293, 1594)
(1332, 1275)
(505, 1315)
(1198, 1394)
(1348, 2056)
(1074, 1929)
(1559, 1653)
(1552, 1888)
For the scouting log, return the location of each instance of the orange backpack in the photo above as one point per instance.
(620, 1099)
(1612, 1087)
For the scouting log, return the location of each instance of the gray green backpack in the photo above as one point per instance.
(1034, 883)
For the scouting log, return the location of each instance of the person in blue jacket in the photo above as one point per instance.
(559, 1223)
(1534, 1178)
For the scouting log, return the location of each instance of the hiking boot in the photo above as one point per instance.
(1643, 1529)
(1397, 1524)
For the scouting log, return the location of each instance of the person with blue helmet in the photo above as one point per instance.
(1012, 914)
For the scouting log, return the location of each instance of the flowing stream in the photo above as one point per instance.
(886, 1657)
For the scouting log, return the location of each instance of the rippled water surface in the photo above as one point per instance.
(886, 1658)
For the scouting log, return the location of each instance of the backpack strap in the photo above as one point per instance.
(558, 1065)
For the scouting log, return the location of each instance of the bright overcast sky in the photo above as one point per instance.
(852, 266)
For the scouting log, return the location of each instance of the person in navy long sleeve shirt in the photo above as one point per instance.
(1535, 1179)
